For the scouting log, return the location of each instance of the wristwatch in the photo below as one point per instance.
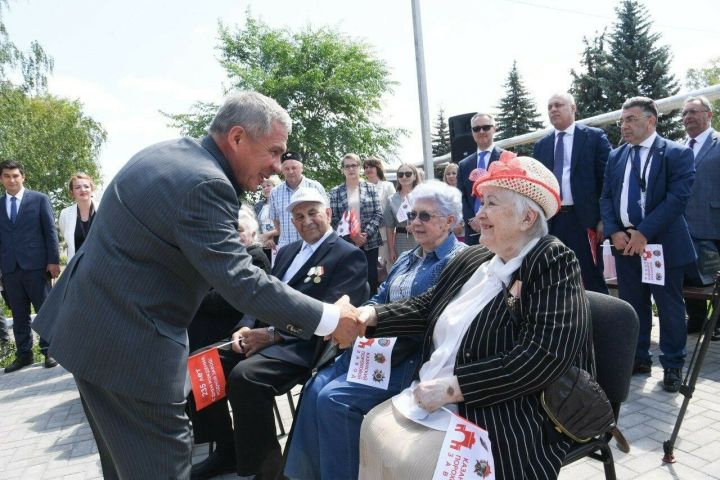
(271, 334)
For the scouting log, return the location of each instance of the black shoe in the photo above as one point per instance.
(50, 362)
(672, 380)
(217, 463)
(716, 335)
(642, 366)
(18, 363)
(694, 325)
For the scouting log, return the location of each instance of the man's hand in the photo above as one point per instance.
(599, 234)
(347, 328)
(250, 341)
(54, 270)
(433, 394)
(619, 240)
(637, 243)
(475, 224)
(367, 317)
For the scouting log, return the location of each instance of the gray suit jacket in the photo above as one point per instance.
(703, 207)
(167, 231)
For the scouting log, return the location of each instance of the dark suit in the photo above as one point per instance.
(590, 149)
(117, 318)
(668, 188)
(27, 247)
(503, 366)
(254, 381)
(703, 218)
(465, 168)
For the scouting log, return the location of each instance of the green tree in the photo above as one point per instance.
(51, 137)
(635, 64)
(441, 137)
(331, 85)
(705, 77)
(589, 87)
(517, 111)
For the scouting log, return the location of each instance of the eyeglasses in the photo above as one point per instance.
(692, 111)
(423, 216)
(404, 174)
(351, 166)
(631, 120)
(484, 128)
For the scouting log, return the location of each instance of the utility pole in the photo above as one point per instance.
(422, 91)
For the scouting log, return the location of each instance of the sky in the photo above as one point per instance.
(129, 61)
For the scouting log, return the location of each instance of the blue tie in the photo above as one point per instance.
(480, 164)
(559, 159)
(634, 211)
(13, 209)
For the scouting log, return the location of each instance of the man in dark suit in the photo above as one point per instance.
(320, 265)
(577, 154)
(117, 319)
(483, 130)
(703, 207)
(29, 257)
(647, 186)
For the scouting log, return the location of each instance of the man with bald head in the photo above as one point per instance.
(577, 154)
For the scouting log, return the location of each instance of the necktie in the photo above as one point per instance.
(559, 159)
(692, 143)
(13, 209)
(480, 164)
(634, 211)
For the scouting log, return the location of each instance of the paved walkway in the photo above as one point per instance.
(44, 434)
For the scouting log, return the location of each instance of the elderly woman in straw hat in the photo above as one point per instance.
(506, 318)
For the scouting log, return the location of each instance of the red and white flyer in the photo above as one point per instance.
(370, 362)
(206, 377)
(465, 453)
(653, 264)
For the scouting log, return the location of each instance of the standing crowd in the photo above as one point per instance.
(481, 277)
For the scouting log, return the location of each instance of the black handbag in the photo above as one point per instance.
(579, 408)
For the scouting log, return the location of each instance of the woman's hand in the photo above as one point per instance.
(249, 341)
(367, 317)
(433, 394)
(360, 239)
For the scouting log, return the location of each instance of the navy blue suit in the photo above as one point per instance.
(27, 247)
(465, 168)
(590, 151)
(668, 188)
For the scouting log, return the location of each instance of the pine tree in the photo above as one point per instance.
(441, 137)
(635, 64)
(517, 111)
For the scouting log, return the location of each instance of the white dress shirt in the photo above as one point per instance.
(567, 163)
(644, 158)
(699, 141)
(8, 202)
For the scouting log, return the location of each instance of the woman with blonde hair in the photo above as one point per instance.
(395, 215)
(75, 221)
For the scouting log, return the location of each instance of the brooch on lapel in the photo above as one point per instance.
(315, 274)
(511, 295)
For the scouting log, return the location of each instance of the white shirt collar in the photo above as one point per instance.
(648, 142)
(568, 131)
(489, 149)
(316, 245)
(700, 139)
(18, 195)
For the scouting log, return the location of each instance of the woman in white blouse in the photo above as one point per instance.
(76, 220)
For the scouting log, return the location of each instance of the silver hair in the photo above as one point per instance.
(252, 111)
(565, 95)
(702, 99)
(481, 114)
(448, 199)
(521, 204)
(246, 219)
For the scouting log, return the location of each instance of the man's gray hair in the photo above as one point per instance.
(252, 111)
(702, 99)
(522, 203)
(565, 95)
(448, 199)
(481, 114)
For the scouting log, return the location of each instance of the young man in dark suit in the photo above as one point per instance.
(647, 185)
(577, 154)
(29, 257)
(483, 131)
(264, 361)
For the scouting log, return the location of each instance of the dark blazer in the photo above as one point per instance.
(503, 366)
(465, 168)
(590, 152)
(166, 232)
(345, 273)
(703, 206)
(669, 184)
(31, 242)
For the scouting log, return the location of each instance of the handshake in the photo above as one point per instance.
(353, 322)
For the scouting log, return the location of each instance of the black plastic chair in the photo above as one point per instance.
(615, 332)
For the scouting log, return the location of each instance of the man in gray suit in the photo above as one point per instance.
(703, 207)
(117, 319)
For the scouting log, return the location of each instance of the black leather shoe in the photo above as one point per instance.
(672, 379)
(50, 362)
(642, 367)
(18, 363)
(716, 335)
(217, 463)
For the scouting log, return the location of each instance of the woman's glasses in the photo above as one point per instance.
(422, 215)
(404, 174)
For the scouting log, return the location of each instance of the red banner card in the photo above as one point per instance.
(206, 377)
